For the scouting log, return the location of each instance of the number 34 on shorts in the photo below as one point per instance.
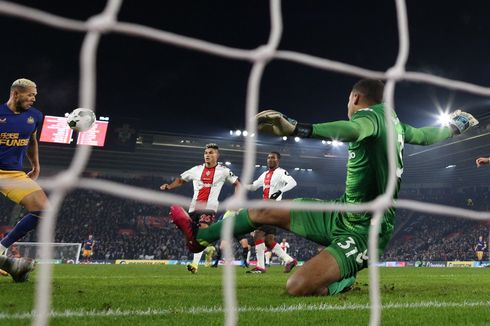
(350, 250)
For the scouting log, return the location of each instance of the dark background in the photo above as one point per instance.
(171, 89)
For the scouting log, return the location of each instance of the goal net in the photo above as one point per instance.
(62, 253)
(106, 22)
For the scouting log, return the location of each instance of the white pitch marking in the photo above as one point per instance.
(219, 310)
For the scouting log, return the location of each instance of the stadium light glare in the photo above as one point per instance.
(309, 170)
(245, 133)
(284, 138)
(231, 132)
(296, 169)
(443, 119)
(297, 139)
(227, 163)
(336, 143)
(451, 166)
(324, 142)
(238, 132)
(257, 165)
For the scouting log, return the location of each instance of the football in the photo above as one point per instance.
(81, 119)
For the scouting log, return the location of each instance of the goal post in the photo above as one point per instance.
(62, 252)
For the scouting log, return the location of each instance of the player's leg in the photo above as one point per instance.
(203, 219)
(479, 256)
(268, 258)
(314, 276)
(271, 243)
(245, 251)
(259, 240)
(219, 256)
(210, 251)
(194, 266)
(249, 255)
(35, 202)
(245, 221)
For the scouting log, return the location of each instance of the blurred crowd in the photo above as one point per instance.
(122, 230)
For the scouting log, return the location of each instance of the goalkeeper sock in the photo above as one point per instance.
(27, 223)
(242, 225)
(340, 286)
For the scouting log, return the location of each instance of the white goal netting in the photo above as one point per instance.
(106, 22)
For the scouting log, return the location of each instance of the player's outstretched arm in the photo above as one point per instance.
(481, 161)
(276, 123)
(459, 123)
(175, 184)
(426, 135)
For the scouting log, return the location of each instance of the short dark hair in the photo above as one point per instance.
(277, 154)
(371, 89)
(213, 146)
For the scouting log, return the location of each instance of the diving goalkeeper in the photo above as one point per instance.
(344, 234)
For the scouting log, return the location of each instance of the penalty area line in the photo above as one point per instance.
(244, 309)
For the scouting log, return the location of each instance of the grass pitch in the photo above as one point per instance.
(170, 295)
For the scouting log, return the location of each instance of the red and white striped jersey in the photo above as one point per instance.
(284, 246)
(207, 185)
(272, 181)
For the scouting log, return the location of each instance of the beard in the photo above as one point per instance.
(20, 107)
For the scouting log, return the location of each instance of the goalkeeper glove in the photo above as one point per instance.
(461, 121)
(275, 195)
(278, 124)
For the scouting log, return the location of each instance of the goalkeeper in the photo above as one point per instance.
(344, 234)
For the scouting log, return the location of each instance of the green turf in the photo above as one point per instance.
(169, 295)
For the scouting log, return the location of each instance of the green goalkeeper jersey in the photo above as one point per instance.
(367, 167)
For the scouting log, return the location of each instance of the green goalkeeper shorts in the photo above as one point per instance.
(347, 241)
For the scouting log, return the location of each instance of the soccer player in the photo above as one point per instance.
(480, 247)
(285, 247)
(208, 179)
(88, 248)
(19, 122)
(344, 234)
(482, 161)
(274, 182)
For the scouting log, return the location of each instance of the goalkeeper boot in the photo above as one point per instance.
(289, 266)
(20, 269)
(184, 222)
(192, 268)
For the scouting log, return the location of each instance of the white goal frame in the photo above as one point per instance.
(51, 244)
